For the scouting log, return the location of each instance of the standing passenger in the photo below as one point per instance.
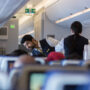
(73, 44)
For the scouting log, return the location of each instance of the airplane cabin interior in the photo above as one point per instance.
(44, 44)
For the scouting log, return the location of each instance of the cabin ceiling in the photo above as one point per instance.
(8, 8)
(35, 2)
(64, 8)
(84, 19)
(30, 4)
(59, 10)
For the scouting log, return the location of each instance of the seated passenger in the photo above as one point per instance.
(55, 56)
(41, 48)
(17, 69)
(6, 64)
(24, 60)
(73, 43)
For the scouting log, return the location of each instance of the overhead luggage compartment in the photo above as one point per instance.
(66, 8)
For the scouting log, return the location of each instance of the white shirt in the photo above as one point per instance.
(51, 41)
(60, 46)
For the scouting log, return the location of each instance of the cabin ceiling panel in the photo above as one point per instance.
(35, 2)
(30, 4)
(8, 8)
(82, 18)
(64, 8)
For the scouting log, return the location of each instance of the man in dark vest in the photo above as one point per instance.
(37, 48)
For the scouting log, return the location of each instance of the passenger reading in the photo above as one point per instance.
(36, 81)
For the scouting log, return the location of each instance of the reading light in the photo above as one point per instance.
(74, 15)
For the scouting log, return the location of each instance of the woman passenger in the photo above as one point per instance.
(73, 44)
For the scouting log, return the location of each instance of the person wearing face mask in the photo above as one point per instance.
(73, 44)
(36, 48)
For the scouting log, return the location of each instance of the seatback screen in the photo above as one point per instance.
(36, 81)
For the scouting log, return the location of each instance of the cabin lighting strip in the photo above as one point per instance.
(74, 15)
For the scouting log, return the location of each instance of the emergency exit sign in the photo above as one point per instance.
(33, 10)
(12, 26)
(27, 10)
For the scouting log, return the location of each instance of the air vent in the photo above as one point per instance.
(3, 33)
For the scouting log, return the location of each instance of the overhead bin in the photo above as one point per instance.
(65, 8)
(8, 8)
(84, 19)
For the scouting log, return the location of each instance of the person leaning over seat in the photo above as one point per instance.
(37, 48)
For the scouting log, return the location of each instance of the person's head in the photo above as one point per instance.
(53, 56)
(18, 52)
(24, 60)
(28, 41)
(76, 27)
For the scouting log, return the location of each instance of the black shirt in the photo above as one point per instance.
(74, 44)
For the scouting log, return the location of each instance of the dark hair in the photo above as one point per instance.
(18, 52)
(76, 27)
(26, 38)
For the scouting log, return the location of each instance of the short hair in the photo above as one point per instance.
(76, 27)
(26, 38)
